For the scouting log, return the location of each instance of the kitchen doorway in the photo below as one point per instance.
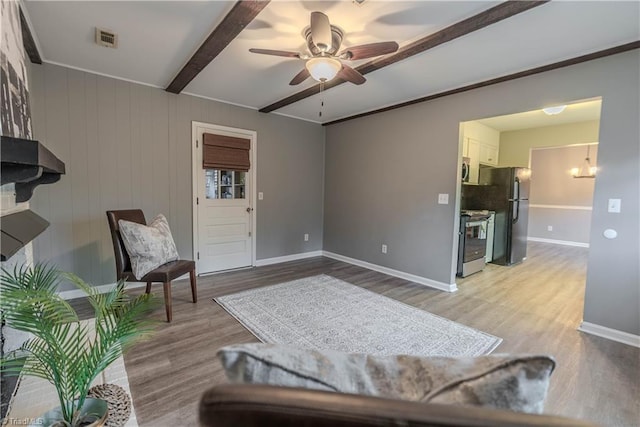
(554, 146)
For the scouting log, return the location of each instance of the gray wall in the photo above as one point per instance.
(569, 226)
(126, 146)
(551, 179)
(566, 201)
(383, 175)
(515, 145)
(384, 172)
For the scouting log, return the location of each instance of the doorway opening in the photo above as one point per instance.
(548, 149)
(224, 178)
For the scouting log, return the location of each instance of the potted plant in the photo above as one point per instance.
(63, 350)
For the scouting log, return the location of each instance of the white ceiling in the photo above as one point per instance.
(156, 38)
(576, 112)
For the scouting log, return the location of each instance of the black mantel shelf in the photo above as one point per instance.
(28, 163)
(18, 229)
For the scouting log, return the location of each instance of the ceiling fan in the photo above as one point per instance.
(324, 63)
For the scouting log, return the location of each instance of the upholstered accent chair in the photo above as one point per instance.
(257, 405)
(164, 274)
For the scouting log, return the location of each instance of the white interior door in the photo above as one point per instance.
(223, 214)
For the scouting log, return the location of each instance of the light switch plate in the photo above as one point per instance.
(443, 199)
(260, 195)
(614, 205)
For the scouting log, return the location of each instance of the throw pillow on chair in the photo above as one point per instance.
(148, 246)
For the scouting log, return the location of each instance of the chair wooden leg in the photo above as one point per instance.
(167, 300)
(148, 290)
(194, 291)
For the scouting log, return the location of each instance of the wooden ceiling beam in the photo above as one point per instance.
(573, 61)
(483, 19)
(242, 13)
(28, 41)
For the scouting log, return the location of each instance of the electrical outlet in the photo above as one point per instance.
(306, 237)
(384, 249)
(443, 199)
(549, 227)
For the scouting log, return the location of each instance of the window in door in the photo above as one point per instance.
(224, 184)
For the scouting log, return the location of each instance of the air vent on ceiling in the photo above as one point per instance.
(106, 38)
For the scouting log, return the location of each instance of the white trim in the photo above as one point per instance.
(97, 73)
(396, 273)
(253, 197)
(208, 98)
(194, 192)
(195, 95)
(78, 293)
(558, 242)
(611, 334)
(552, 147)
(287, 258)
(580, 208)
(297, 118)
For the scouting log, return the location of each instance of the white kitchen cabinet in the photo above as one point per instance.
(481, 144)
(488, 154)
(471, 149)
(474, 165)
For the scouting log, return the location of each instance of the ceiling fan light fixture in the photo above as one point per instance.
(552, 111)
(323, 69)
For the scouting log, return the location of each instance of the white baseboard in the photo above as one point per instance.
(569, 207)
(77, 293)
(558, 242)
(396, 273)
(611, 334)
(287, 258)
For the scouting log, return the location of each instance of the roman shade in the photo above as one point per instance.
(225, 152)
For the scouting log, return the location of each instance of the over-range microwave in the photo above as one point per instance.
(466, 164)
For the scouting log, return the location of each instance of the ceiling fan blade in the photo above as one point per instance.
(275, 52)
(321, 31)
(369, 50)
(300, 77)
(349, 74)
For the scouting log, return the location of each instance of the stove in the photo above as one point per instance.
(472, 245)
(475, 214)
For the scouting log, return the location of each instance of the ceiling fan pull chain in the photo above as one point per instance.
(321, 98)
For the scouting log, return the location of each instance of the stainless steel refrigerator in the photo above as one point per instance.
(505, 191)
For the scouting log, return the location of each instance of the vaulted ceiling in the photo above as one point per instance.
(444, 45)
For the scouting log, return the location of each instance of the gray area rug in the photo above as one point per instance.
(322, 312)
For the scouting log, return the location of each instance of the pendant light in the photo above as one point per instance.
(586, 170)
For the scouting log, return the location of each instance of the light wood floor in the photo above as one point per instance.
(535, 307)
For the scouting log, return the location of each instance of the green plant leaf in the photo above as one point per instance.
(63, 350)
